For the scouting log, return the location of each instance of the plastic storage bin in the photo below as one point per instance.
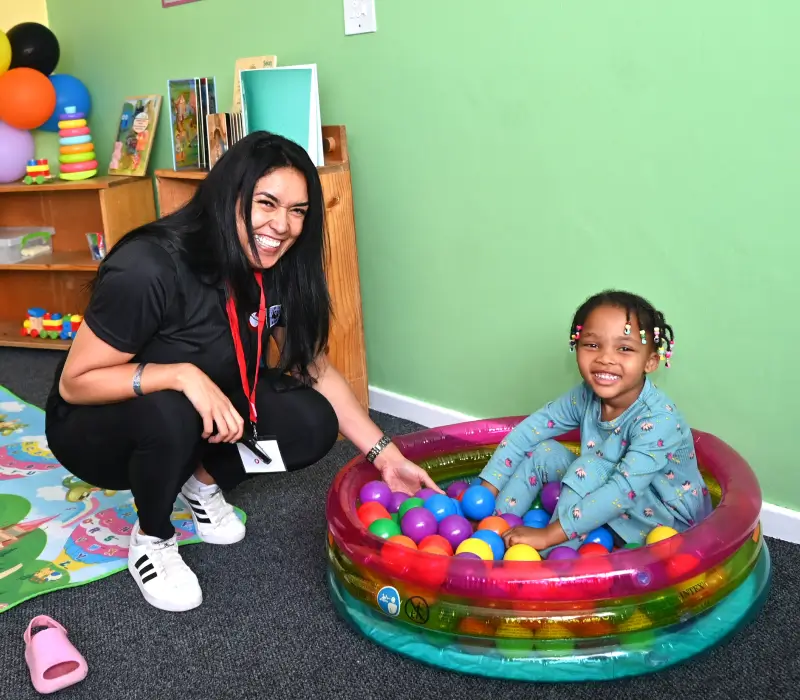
(19, 243)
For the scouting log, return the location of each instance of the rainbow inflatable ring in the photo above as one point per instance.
(632, 612)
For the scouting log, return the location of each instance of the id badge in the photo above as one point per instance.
(254, 463)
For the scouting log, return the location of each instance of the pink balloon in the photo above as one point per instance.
(16, 149)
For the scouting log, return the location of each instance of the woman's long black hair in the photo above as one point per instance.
(205, 231)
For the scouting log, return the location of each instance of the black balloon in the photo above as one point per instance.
(33, 46)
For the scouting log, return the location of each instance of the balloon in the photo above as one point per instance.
(34, 46)
(16, 149)
(5, 52)
(27, 98)
(70, 92)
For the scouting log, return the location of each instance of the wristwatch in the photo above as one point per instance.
(378, 448)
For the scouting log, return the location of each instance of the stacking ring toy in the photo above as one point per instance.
(78, 148)
(79, 167)
(81, 131)
(77, 157)
(73, 140)
(71, 123)
(630, 612)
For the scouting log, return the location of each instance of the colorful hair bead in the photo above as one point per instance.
(628, 328)
(644, 340)
(573, 339)
(656, 335)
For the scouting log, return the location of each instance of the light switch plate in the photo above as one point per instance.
(359, 17)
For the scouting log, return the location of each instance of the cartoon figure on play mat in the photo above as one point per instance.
(9, 426)
(78, 490)
(637, 467)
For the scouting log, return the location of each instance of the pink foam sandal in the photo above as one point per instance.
(53, 661)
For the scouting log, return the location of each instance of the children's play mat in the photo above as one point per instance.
(57, 531)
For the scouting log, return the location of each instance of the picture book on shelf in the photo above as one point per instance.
(224, 130)
(248, 64)
(135, 135)
(285, 101)
(182, 95)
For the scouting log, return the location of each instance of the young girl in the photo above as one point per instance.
(637, 467)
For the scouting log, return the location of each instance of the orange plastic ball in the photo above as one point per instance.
(433, 549)
(27, 98)
(592, 549)
(438, 542)
(494, 523)
(403, 540)
(371, 511)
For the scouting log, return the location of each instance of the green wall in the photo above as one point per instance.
(507, 165)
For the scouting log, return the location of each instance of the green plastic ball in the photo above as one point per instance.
(385, 528)
(408, 504)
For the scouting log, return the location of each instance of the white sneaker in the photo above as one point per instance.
(164, 579)
(214, 518)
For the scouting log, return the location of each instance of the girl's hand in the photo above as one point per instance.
(402, 475)
(537, 537)
(213, 406)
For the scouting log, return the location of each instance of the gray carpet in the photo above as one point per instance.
(267, 629)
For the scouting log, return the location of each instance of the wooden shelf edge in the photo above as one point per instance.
(99, 182)
(10, 336)
(56, 262)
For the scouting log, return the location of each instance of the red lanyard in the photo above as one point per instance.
(237, 344)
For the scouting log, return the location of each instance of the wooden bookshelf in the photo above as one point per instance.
(57, 282)
(347, 347)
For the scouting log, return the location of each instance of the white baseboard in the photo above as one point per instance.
(777, 521)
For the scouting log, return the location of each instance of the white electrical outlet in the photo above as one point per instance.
(359, 17)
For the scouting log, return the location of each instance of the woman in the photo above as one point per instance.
(163, 376)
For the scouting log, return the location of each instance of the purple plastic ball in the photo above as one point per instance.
(559, 553)
(424, 493)
(396, 500)
(376, 491)
(455, 529)
(468, 555)
(456, 488)
(550, 494)
(511, 519)
(418, 523)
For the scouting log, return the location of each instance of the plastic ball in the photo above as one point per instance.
(437, 542)
(476, 546)
(408, 504)
(561, 553)
(468, 555)
(659, 534)
(28, 98)
(456, 488)
(681, 565)
(425, 493)
(521, 552)
(396, 500)
(477, 502)
(592, 549)
(550, 494)
(494, 523)
(70, 92)
(16, 149)
(632, 545)
(34, 46)
(403, 540)
(440, 505)
(601, 536)
(493, 540)
(512, 519)
(455, 529)
(418, 523)
(457, 504)
(371, 511)
(384, 528)
(376, 491)
(536, 518)
(5, 52)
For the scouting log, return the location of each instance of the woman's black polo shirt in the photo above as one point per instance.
(149, 303)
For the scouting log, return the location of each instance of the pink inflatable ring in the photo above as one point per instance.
(633, 611)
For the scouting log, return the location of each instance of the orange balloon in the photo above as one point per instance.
(27, 98)
(494, 523)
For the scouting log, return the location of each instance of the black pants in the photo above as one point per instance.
(153, 443)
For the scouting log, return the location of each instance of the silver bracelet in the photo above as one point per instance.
(137, 380)
(378, 448)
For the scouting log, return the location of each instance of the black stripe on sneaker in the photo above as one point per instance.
(145, 569)
(199, 512)
(143, 565)
(141, 560)
(149, 578)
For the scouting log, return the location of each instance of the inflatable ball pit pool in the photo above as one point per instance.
(631, 612)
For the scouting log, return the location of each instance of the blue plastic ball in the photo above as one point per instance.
(493, 540)
(477, 503)
(601, 536)
(459, 509)
(536, 518)
(441, 506)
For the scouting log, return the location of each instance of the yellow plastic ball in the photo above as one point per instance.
(475, 546)
(521, 552)
(660, 533)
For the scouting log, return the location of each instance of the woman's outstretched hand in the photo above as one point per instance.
(402, 475)
(211, 403)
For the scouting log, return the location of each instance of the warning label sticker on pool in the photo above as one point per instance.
(389, 600)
